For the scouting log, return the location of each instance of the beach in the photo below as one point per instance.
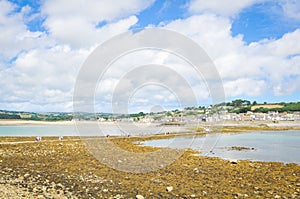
(66, 169)
(32, 122)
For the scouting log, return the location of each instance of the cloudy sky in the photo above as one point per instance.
(254, 45)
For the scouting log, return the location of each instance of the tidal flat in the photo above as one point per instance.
(66, 169)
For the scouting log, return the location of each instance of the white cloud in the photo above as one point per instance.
(224, 7)
(75, 22)
(266, 64)
(291, 8)
(41, 77)
(15, 37)
(43, 72)
(246, 87)
(79, 33)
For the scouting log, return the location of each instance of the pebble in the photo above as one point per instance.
(118, 196)
(193, 196)
(105, 190)
(277, 197)
(233, 161)
(26, 175)
(169, 188)
(139, 197)
(196, 170)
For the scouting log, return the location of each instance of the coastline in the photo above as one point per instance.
(222, 123)
(32, 122)
(65, 169)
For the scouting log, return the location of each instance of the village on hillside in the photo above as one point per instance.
(236, 110)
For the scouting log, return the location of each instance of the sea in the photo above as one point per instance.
(279, 146)
(274, 146)
(88, 129)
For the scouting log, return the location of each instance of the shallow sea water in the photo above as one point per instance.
(275, 146)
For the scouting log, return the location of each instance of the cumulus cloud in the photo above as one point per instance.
(39, 68)
(265, 65)
(291, 8)
(224, 7)
(15, 36)
(76, 22)
(40, 77)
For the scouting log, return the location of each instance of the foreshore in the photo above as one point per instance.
(66, 169)
(32, 122)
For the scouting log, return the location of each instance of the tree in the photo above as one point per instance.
(237, 103)
(254, 103)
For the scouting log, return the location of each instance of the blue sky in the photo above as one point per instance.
(252, 43)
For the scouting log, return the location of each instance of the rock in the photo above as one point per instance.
(105, 190)
(26, 175)
(233, 161)
(139, 197)
(169, 188)
(193, 196)
(298, 184)
(59, 185)
(204, 192)
(238, 195)
(196, 170)
(277, 197)
(118, 196)
(35, 189)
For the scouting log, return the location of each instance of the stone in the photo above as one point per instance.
(26, 175)
(196, 170)
(233, 161)
(169, 188)
(277, 197)
(193, 196)
(118, 196)
(105, 190)
(139, 197)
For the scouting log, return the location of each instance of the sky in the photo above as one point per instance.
(253, 44)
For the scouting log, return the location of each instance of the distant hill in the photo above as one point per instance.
(267, 106)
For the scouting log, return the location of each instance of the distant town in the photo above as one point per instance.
(236, 110)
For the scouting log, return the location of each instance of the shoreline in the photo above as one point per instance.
(33, 122)
(65, 169)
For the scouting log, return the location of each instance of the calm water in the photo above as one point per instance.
(282, 146)
(88, 129)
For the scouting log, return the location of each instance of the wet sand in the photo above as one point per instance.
(32, 122)
(55, 169)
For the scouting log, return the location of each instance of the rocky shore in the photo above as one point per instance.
(65, 169)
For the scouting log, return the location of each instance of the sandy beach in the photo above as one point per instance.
(32, 122)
